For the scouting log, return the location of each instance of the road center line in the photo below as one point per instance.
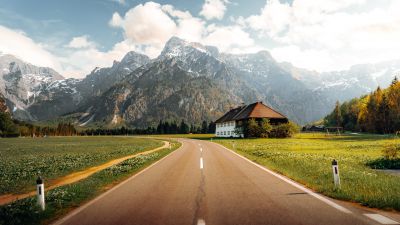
(201, 149)
(380, 219)
(201, 163)
(291, 182)
(201, 222)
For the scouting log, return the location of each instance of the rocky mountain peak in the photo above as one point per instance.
(133, 56)
(181, 48)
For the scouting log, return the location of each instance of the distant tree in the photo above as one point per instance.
(265, 128)
(7, 126)
(204, 127)
(184, 128)
(338, 115)
(253, 128)
(395, 81)
(378, 112)
(211, 128)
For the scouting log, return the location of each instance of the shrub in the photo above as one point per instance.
(391, 152)
(265, 128)
(253, 128)
(284, 130)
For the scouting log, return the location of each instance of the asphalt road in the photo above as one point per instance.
(204, 183)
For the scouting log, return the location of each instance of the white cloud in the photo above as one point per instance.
(331, 34)
(80, 57)
(81, 42)
(80, 62)
(228, 38)
(150, 25)
(146, 28)
(188, 27)
(214, 9)
(116, 20)
(18, 44)
(146, 24)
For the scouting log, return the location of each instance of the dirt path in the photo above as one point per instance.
(77, 176)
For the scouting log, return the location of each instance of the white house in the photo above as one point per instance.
(225, 126)
(226, 129)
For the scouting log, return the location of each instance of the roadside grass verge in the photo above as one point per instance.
(307, 159)
(23, 159)
(61, 200)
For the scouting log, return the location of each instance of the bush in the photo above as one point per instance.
(263, 129)
(391, 152)
(390, 159)
(284, 130)
(7, 126)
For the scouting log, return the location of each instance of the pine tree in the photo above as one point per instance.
(204, 127)
(183, 128)
(211, 128)
(338, 115)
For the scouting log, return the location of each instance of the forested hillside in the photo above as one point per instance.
(378, 112)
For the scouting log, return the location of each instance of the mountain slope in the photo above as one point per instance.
(22, 83)
(61, 96)
(186, 81)
(194, 82)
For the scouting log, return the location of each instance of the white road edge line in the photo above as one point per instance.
(289, 181)
(201, 222)
(380, 219)
(81, 208)
(201, 163)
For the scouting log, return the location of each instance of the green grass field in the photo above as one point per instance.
(307, 159)
(61, 200)
(22, 159)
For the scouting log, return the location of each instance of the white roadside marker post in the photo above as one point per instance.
(335, 170)
(40, 193)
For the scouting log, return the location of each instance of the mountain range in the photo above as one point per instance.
(186, 81)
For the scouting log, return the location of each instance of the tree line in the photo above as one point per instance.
(163, 127)
(15, 128)
(377, 112)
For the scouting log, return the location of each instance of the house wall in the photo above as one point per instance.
(226, 129)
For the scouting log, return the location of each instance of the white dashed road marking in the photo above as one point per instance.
(201, 163)
(201, 149)
(380, 219)
(201, 222)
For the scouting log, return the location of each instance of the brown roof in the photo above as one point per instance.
(255, 110)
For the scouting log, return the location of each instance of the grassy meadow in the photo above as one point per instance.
(22, 159)
(307, 159)
(61, 200)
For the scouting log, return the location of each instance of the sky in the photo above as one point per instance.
(76, 36)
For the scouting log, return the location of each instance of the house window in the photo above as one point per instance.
(229, 133)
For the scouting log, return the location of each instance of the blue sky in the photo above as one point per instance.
(75, 36)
